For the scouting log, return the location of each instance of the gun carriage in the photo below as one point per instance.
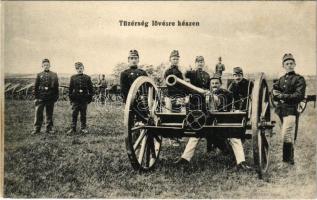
(147, 121)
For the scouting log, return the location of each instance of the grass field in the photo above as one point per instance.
(96, 164)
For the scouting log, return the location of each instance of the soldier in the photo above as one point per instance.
(80, 94)
(220, 67)
(198, 78)
(102, 84)
(222, 98)
(172, 91)
(128, 76)
(46, 94)
(289, 91)
(241, 88)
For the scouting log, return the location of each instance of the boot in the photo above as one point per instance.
(285, 156)
(291, 157)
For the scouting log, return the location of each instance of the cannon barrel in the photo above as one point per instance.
(172, 80)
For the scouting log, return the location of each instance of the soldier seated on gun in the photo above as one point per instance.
(80, 94)
(102, 84)
(46, 94)
(241, 88)
(128, 76)
(222, 98)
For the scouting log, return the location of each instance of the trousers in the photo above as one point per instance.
(288, 128)
(235, 143)
(39, 109)
(79, 107)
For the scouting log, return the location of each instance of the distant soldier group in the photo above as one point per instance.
(288, 91)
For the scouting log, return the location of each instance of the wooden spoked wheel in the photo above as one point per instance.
(143, 147)
(260, 115)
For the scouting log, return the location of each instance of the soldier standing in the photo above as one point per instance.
(198, 78)
(46, 94)
(102, 83)
(241, 88)
(220, 67)
(80, 95)
(289, 91)
(128, 76)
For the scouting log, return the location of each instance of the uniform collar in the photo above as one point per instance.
(133, 66)
(290, 73)
(46, 71)
(174, 66)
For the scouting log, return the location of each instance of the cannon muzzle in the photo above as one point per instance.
(172, 80)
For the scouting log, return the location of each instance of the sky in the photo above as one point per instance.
(252, 35)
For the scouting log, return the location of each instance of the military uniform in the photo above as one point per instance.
(102, 89)
(46, 94)
(80, 95)
(240, 91)
(201, 79)
(220, 68)
(127, 78)
(291, 87)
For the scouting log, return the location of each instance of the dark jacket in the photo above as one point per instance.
(225, 98)
(127, 77)
(199, 78)
(81, 88)
(174, 90)
(292, 86)
(46, 86)
(240, 92)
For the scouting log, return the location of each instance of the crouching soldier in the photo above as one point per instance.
(289, 91)
(128, 76)
(46, 94)
(80, 95)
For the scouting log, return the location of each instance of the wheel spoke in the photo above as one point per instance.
(138, 141)
(264, 109)
(142, 150)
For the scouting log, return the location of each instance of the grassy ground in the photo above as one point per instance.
(96, 164)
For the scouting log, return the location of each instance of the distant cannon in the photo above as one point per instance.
(10, 92)
(26, 92)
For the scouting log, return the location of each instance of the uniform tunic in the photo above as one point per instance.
(174, 90)
(220, 68)
(292, 86)
(201, 79)
(127, 78)
(240, 93)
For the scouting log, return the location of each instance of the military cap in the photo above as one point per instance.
(174, 53)
(237, 70)
(216, 76)
(45, 60)
(219, 58)
(288, 56)
(133, 53)
(199, 58)
(78, 64)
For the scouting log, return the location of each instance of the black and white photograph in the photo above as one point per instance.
(158, 99)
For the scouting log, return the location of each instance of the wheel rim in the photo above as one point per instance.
(260, 112)
(143, 147)
(302, 106)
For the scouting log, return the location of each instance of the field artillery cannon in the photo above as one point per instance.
(10, 91)
(63, 93)
(147, 122)
(26, 92)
